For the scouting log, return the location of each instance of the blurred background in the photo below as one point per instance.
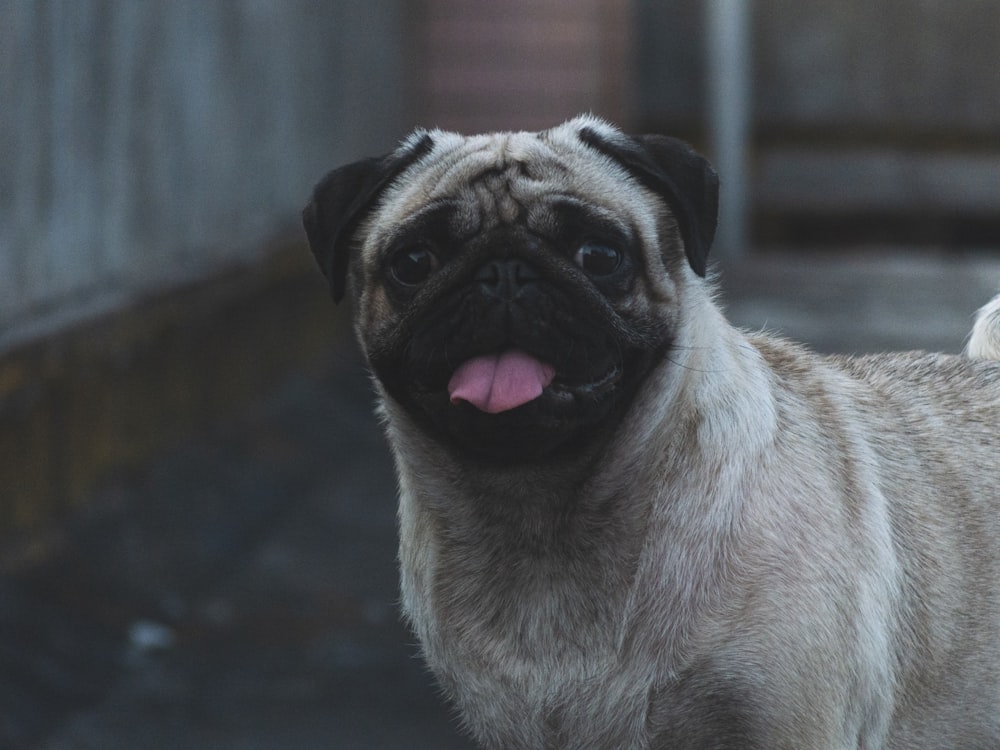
(196, 508)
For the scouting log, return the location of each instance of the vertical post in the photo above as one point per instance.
(729, 66)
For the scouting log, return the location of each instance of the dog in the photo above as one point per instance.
(623, 522)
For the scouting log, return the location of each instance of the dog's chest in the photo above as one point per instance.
(549, 703)
(541, 672)
(527, 631)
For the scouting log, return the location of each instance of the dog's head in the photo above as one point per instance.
(513, 290)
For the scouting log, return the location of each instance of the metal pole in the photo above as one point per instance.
(729, 94)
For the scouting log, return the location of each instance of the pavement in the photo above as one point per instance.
(239, 591)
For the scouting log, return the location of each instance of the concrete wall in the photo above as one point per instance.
(896, 65)
(869, 119)
(146, 143)
(522, 64)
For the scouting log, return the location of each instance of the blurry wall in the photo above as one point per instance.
(154, 158)
(144, 144)
(896, 66)
(482, 65)
(871, 121)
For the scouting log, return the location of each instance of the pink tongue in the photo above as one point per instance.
(497, 382)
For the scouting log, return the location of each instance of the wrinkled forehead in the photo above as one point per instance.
(501, 177)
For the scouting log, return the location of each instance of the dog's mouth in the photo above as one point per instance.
(512, 403)
(499, 382)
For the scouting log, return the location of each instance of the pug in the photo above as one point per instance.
(623, 522)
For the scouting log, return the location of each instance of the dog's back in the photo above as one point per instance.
(921, 434)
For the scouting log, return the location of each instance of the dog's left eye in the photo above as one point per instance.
(411, 266)
(598, 260)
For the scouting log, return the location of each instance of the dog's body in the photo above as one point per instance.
(816, 567)
(707, 539)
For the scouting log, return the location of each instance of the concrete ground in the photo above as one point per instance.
(239, 592)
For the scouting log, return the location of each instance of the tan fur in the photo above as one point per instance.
(774, 549)
(817, 535)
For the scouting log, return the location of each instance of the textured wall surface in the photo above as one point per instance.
(522, 64)
(872, 122)
(896, 65)
(143, 144)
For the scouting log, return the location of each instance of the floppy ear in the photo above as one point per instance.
(683, 178)
(342, 199)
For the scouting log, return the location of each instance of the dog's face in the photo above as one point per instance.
(513, 290)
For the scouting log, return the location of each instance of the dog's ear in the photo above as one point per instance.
(343, 198)
(677, 173)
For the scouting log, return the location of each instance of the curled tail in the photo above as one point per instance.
(984, 341)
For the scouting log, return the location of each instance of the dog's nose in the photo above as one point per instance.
(505, 278)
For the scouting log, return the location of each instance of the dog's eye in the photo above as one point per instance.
(412, 265)
(598, 260)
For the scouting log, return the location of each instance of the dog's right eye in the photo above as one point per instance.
(412, 265)
(598, 260)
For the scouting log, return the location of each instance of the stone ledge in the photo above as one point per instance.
(877, 180)
(105, 394)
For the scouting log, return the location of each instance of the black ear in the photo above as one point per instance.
(342, 199)
(674, 171)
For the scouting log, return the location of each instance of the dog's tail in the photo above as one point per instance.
(984, 341)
